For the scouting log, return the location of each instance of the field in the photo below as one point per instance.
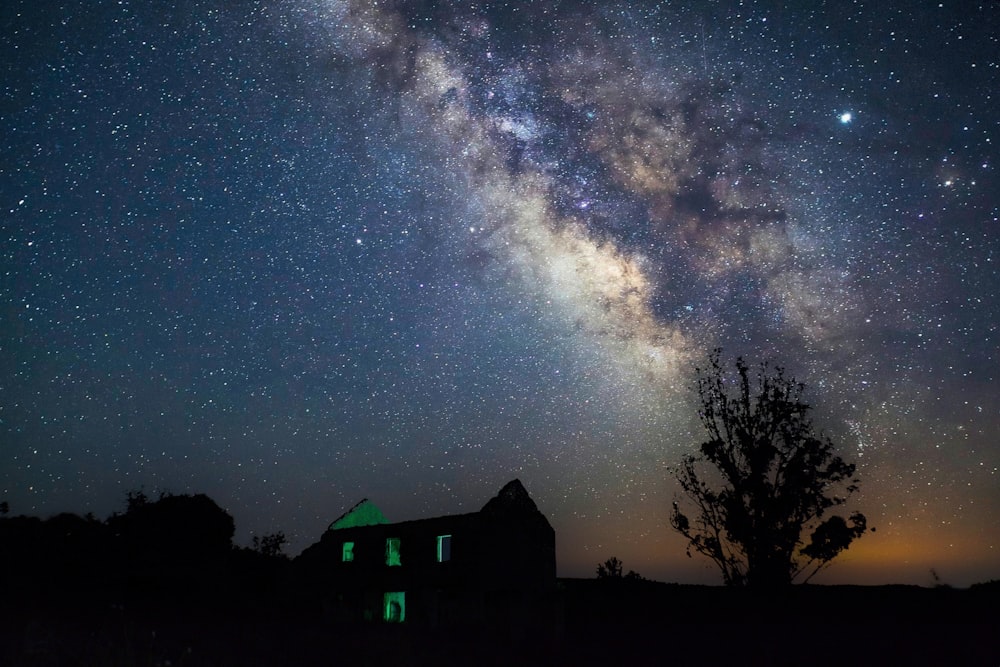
(594, 622)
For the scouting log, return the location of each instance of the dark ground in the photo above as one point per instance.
(162, 584)
(595, 622)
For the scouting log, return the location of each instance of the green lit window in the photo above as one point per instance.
(444, 548)
(392, 551)
(394, 607)
(348, 552)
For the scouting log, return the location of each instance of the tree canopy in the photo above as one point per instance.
(764, 482)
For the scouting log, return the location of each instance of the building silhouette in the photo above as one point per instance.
(494, 568)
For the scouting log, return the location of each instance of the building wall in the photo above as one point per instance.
(497, 562)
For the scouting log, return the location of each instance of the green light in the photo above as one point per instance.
(443, 548)
(392, 551)
(364, 513)
(348, 552)
(394, 607)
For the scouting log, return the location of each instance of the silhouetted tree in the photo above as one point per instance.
(134, 500)
(4, 508)
(775, 481)
(612, 569)
(270, 545)
(178, 538)
(55, 555)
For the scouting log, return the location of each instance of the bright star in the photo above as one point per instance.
(846, 117)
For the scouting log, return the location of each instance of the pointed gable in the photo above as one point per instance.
(365, 513)
(513, 498)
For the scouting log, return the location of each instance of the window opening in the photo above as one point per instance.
(394, 607)
(392, 551)
(443, 548)
(348, 552)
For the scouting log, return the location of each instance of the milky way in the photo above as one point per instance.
(295, 255)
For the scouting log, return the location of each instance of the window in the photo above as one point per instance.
(348, 552)
(392, 551)
(444, 548)
(394, 607)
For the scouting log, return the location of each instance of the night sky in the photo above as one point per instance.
(292, 254)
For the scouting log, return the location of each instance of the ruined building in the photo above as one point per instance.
(495, 566)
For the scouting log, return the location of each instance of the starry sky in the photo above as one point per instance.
(296, 253)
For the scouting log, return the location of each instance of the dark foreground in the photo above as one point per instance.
(593, 623)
